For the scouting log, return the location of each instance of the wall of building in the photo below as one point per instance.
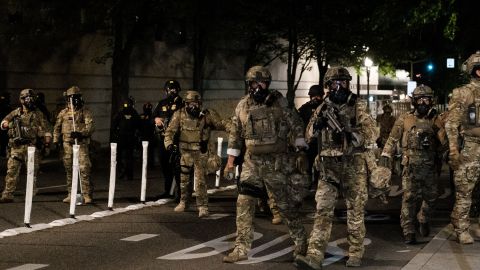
(224, 83)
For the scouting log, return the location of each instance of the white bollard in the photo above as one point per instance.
(144, 171)
(113, 168)
(194, 181)
(237, 172)
(75, 172)
(219, 153)
(30, 179)
(174, 185)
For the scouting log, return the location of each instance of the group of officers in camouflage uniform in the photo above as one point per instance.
(333, 133)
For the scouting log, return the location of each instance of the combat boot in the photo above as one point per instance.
(87, 199)
(353, 261)
(180, 207)
(308, 262)
(203, 212)
(277, 219)
(67, 199)
(424, 229)
(465, 238)
(300, 249)
(410, 239)
(6, 199)
(235, 256)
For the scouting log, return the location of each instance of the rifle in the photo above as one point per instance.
(328, 118)
(19, 138)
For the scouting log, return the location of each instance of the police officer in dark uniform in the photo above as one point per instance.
(316, 94)
(162, 115)
(125, 125)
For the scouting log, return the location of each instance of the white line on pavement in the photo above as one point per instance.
(100, 214)
(29, 266)
(217, 216)
(139, 237)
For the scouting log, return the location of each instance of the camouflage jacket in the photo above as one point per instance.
(193, 131)
(32, 126)
(458, 117)
(264, 129)
(357, 123)
(64, 125)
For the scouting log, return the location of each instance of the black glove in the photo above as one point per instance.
(172, 148)
(76, 135)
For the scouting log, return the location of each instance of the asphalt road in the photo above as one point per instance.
(152, 236)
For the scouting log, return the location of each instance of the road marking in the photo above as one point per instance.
(139, 237)
(217, 216)
(427, 252)
(224, 243)
(29, 266)
(403, 251)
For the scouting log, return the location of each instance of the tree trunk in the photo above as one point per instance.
(292, 64)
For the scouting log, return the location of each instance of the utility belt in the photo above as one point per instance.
(84, 140)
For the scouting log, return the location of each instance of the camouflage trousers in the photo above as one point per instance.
(465, 179)
(84, 166)
(419, 185)
(17, 156)
(193, 162)
(266, 170)
(349, 176)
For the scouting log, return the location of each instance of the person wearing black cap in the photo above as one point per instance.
(162, 114)
(316, 94)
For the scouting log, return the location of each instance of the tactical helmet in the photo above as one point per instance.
(258, 74)
(74, 90)
(192, 96)
(172, 84)
(316, 90)
(27, 93)
(336, 73)
(422, 91)
(472, 63)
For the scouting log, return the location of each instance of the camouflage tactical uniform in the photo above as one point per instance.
(32, 127)
(264, 130)
(463, 124)
(343, 168)
(419, 141)
(62, 132)
(194, 133)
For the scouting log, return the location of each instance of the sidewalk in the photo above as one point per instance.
(444, 252)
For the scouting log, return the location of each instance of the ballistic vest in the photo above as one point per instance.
(265, 130)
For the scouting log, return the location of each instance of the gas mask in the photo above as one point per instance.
(258, 92)
(172, 93)
(76, 100)
(423, 106)
(339, 92)
(193, 109)
(28, 102)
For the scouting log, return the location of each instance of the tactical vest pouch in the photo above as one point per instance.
(265, 133)
(190, 130)
(248, 188)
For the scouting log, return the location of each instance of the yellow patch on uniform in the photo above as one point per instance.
(164, 108)
(174, 106)
(128, 116)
